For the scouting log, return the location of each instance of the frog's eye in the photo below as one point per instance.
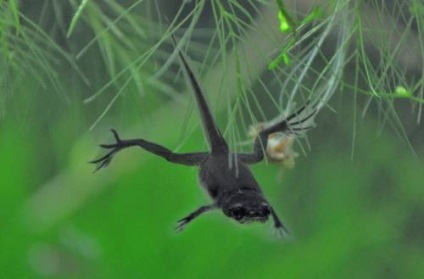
(237, 212)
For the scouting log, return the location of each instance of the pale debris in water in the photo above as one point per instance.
(280, 146)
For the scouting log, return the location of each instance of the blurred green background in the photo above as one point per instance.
(354, 202)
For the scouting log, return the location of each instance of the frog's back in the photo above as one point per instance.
(220, 174)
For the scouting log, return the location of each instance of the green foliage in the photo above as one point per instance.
(288, 24)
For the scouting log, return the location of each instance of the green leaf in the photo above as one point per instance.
(287, 23)
(76, 17)
(402, 91)
(284, 24)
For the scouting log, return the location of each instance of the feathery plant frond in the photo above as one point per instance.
(29, 55)
(396, 73)
(300, 79)
(119, 33)
(388, 59)
(399, 47)
(132, 46)
(258, 93)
